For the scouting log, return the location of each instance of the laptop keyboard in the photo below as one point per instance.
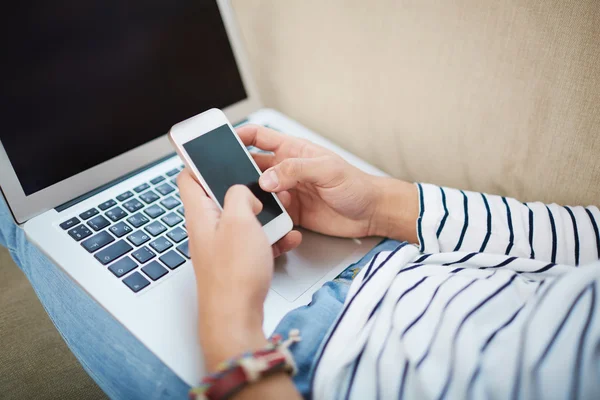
(139, 235)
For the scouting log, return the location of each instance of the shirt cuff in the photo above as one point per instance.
(431, 215)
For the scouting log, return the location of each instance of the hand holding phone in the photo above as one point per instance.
(218, 159)
(233, 263)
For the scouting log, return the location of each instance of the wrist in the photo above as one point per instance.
(228, 328)
(223, 342)
(396, 210)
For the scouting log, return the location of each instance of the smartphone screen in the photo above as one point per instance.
(223, 163)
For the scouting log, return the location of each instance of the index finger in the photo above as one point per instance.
(262, 137)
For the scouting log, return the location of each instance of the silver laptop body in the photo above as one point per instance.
(87, 171)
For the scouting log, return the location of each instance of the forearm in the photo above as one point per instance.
(397, 210)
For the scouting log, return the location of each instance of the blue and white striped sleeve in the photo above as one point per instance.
(457, 220)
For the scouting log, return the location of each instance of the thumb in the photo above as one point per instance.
(240, 203)
(321, 171)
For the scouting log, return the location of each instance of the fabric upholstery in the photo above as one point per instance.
(494, 96)
(497, 96)
(35, 362)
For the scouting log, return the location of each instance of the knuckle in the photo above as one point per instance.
(237, 190)
(335, 162)
(305, 147)
(301, 148)
(238, 221)
(335, 169)
(290, 167)
(299, 167)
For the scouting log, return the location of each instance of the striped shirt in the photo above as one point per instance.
(500, 301)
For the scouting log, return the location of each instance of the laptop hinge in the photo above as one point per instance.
(110, 184)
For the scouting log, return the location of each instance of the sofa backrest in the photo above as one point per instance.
(495, 96)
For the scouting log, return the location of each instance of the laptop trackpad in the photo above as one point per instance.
(298, 270)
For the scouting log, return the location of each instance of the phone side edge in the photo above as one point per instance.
(182, 153)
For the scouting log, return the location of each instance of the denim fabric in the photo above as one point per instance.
(315, 319)
(118, 362)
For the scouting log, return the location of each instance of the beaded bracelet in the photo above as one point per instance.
(237, 373)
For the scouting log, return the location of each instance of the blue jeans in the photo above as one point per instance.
(118, 362)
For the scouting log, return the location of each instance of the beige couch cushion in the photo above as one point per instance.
(497, 96)
(35, 362)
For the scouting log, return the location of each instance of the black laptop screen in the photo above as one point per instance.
(85, 81)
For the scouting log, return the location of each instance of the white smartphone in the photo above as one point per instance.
(210, 148)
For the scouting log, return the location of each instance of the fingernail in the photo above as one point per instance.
(269, 180)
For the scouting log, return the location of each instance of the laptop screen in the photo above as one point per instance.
(85, 81)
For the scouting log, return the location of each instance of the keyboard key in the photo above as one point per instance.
(138, 238)
(155, 228)
(181, 211)
(133, 205)
(120, 229)
(173, 172)
(79, 232)
(74, 221)
(161, 244)
(113, 252)
(122, 267)
(149, 197)
(97, 242)
(136, 282)
(171, 219)
(174, 182)
(178, 195)
(154, 211)
(143, 254)
(107, 204)
(141, 188)
(172, 259)
(184, 249)
(98, 223)
(138, 220)
(164, 189)
(116, 214)
(88, 214)
(170, 202)
(182, 166)
(158, 179)
(154, 270)
(177, 235)
(124, 196)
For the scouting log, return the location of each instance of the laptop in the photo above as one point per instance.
(87, 170)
